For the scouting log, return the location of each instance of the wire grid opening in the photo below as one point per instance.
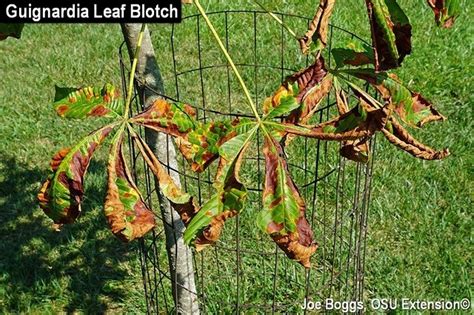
(245, 271)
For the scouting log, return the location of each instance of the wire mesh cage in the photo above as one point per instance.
(245, 271)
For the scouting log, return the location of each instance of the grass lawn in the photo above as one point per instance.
(420, 238)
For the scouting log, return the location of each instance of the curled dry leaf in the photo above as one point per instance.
(89, 101)
(283, 216)
(445, 11)
(318, 29)
(401, 138)
(362, 121)
(305, 88)
(391, 33)
(410, 106)
(182, 202)
(61, 195)
(128, 216)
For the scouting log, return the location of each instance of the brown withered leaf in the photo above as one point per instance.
(355, 150)
(401, 138)
(391, 33)
(127, 214)
(362, 121)
(318, 28)
(410, 106)
(182, 202)
(314, 84)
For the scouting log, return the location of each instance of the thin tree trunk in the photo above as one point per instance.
(179, 255)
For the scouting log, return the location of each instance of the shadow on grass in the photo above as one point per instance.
(80, 268)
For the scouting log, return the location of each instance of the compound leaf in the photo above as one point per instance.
(61, 195)
(128, 216)
(283, 216)
(89, 101)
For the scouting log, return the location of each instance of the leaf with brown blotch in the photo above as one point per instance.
(201, 145)
(446, 11)
(182, 202)
(300, 94)
(128, 216)
(314, 84)
(283, 214)
(398, 136)
(205, 228)
(355, 150)
(354, 53)
(315, 38)
(175, 119)
(61, 195)
(410, 106)
(362, 121)
(391, 33)
(85, 102)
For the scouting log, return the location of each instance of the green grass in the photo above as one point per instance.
(420, 235)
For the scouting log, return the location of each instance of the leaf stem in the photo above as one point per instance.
(229, 59)
(274, 16)
(132, 71)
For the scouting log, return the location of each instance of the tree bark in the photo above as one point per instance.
(179, 255)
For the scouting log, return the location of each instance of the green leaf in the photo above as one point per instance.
(287, 104)
(283, 215)
(355, 53)
(446, 11)
(89, 101)
(61, 195)
(391, 33)
(11, 29)
(128, 215)
(206, 226)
